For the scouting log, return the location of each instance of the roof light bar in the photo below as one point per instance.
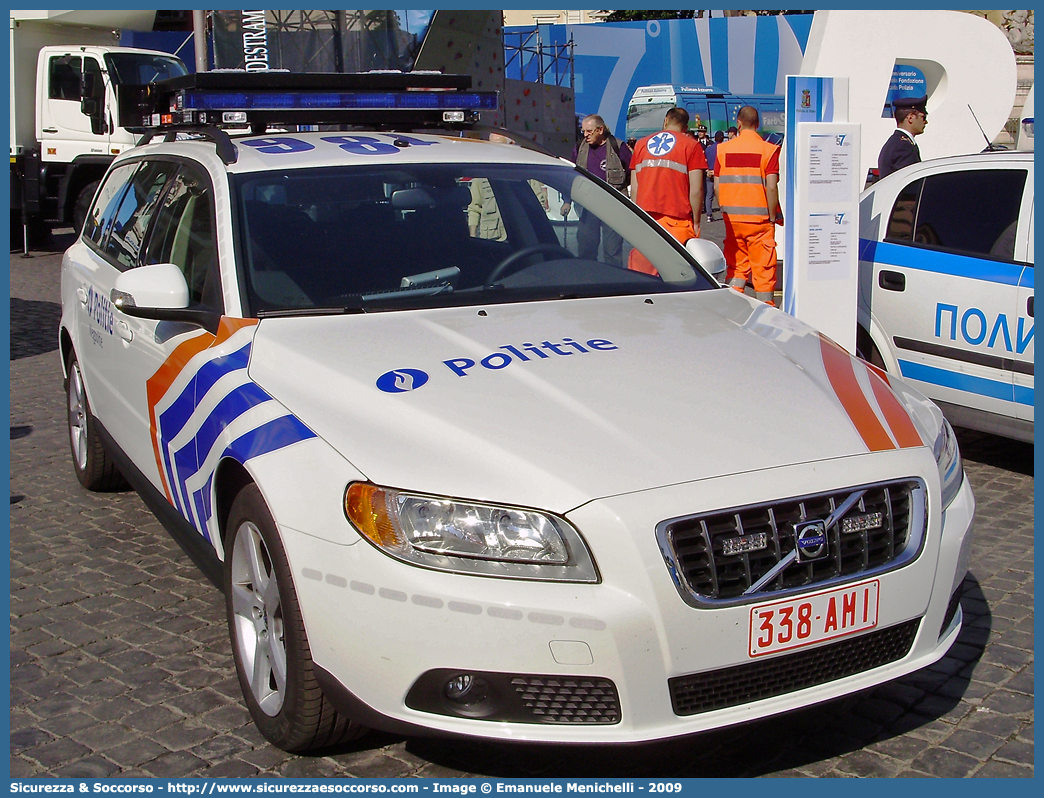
(284, 101)
(381, 99)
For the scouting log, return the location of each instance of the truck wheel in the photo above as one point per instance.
(82, 205)
(94, 466)
(269, 645)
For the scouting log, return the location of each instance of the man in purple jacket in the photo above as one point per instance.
(604, 156)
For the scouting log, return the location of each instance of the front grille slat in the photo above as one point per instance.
(755, 681)
(694, 546)
(777, 550)
(891, 520)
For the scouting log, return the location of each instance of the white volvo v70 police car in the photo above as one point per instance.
(454, 476)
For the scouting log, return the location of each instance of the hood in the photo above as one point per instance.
(554, 404)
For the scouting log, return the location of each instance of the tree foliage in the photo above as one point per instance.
(643, 15)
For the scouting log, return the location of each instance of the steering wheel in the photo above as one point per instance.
(504, 268)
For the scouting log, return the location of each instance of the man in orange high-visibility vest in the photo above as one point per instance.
(667, 182)
(746, 173)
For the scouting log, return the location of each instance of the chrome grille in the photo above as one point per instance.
(758, 537)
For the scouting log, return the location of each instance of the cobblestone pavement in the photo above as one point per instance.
(120, 663)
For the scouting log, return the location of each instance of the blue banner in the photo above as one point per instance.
(740, 55)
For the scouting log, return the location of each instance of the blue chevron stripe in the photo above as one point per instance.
(185, 463)
(177, 414)
(190, 457)
(276, 434)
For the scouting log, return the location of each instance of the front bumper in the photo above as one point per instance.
(383, 632)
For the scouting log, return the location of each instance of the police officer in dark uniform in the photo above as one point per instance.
(901, 150)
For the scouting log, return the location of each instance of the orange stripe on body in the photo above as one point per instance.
(838, 364)
(879, 372)
(895, 414)
(159, 383)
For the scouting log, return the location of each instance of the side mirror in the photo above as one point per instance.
(92, 86)
(708, 255)
(92, 100)
(158, 286)
(159, 292)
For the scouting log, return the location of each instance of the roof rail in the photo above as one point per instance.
(226, 150)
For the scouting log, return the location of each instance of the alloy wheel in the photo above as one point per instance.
(259, 634)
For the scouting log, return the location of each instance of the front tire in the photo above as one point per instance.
(269, 644)
(95, 468)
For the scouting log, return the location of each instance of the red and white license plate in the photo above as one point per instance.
(812, 618)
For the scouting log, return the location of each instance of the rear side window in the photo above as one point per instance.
(107, 202)
(184, 236)
(901, 220)
(974, 212)
(131, 222)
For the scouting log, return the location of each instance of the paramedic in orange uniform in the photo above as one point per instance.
(667, 181)
(746, 171)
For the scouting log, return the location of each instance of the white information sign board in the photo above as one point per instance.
(825, 224)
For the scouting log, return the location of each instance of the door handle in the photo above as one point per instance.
(50, 130)
(892, 281)
(81, 295)
(1029, 307)
(124, 331)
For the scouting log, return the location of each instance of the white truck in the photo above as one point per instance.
(66, 73)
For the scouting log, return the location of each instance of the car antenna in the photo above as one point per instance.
(989, 144)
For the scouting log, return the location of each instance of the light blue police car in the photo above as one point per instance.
(946, 285)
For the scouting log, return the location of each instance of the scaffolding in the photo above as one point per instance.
(527, 57)
(321, 41)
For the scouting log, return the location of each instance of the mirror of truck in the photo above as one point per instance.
(92, 97)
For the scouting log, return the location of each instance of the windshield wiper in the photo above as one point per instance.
(399, 298)
(361, 303)
(411, 291)
(292, 312)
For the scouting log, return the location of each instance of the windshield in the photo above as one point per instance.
(437, 235)
(644, 119)
(139, 68)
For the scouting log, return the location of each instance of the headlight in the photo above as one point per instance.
(951, 467)
(468, 537)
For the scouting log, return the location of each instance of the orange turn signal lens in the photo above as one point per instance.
(366, 506)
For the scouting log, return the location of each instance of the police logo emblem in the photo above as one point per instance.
(401, 380)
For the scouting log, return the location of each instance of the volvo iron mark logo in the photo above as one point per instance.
(401, 380)
(811, 540)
